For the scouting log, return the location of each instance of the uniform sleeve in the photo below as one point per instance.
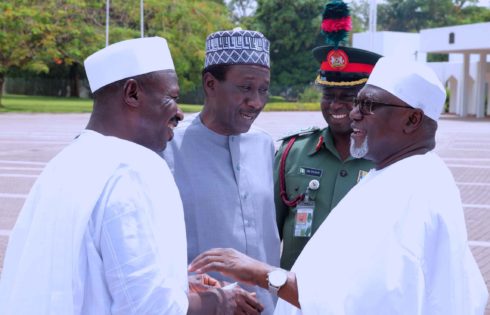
(281, 209)
(135, 276)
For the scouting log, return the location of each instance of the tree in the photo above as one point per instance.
(360, 15)
(24, 32)
(185, 25)
(293, 28)
(414, 15)
(242, 12)
(78, 28)
(38, 34)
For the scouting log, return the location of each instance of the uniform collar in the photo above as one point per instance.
(325, 142)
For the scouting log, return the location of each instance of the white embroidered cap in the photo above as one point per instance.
(127, 59)
(413, 82)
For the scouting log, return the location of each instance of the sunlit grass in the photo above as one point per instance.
(45, 104)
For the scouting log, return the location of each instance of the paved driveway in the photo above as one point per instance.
(29, 141)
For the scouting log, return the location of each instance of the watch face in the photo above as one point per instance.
(278, 277)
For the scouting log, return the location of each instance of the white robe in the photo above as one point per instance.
(55, 263)
(396, 244)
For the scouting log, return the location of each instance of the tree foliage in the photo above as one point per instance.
(293, 28)
(242, 12)
(185, 25)
(360, 15)
(36, 34)
(24, 33)
(57, 35)
(414, 15)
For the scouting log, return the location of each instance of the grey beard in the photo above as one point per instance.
(359, 152)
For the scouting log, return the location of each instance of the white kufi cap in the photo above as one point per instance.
(413, 82)
(127, 59)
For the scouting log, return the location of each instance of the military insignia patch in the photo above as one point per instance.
(361, 175)
(337, 59)
(310, 171)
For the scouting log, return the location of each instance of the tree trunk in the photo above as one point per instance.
(74, 80)
(2, 81)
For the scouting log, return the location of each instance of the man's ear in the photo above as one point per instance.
(414, 120)
(131, 93)
(209, 84)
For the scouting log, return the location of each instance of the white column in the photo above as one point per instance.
(453, 100)
(462, 107)
(488, 94)
(480, 86)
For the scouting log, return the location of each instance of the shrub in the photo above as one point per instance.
(311, 94)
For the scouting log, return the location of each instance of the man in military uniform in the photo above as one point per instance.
(313, 168)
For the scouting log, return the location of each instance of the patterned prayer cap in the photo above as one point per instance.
(237, 47)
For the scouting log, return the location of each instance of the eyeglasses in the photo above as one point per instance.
(367, 107)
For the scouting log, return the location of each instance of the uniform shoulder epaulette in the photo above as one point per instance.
(300, 133)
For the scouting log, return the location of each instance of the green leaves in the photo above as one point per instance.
(293, 28)
(35, 34)
(414, 15)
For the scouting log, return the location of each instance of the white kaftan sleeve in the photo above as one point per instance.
(138, 266)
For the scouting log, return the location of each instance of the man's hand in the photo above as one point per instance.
(224, 302)
(237, 301)
(202, 282)
(233, 264)
(242, 268)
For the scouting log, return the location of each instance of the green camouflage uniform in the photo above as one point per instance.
(313, 156)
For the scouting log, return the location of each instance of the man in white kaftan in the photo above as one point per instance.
(397, 243)
(102, 230)
(407, 254)
(98, 199)
(92, 237)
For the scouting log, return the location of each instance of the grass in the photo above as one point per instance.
(45, 104)
(291, 107)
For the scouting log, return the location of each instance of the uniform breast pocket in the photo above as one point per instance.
(296, 185)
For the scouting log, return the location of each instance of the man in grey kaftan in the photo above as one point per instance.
(222, 165)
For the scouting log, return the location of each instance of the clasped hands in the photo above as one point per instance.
(229, 299)
(235, 265)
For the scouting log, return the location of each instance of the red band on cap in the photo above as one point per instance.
(350, 67)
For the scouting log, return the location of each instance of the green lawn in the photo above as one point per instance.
(44, 104)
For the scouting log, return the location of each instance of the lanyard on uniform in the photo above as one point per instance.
(282, 178)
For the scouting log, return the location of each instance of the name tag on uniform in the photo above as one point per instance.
(304, 219)
(310, 171)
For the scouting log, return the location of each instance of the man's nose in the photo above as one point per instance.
(355, 113)
(255, 100)
(180, 114)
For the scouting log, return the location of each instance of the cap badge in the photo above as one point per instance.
(337, 59)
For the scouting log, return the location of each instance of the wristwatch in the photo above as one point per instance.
(276, 279)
